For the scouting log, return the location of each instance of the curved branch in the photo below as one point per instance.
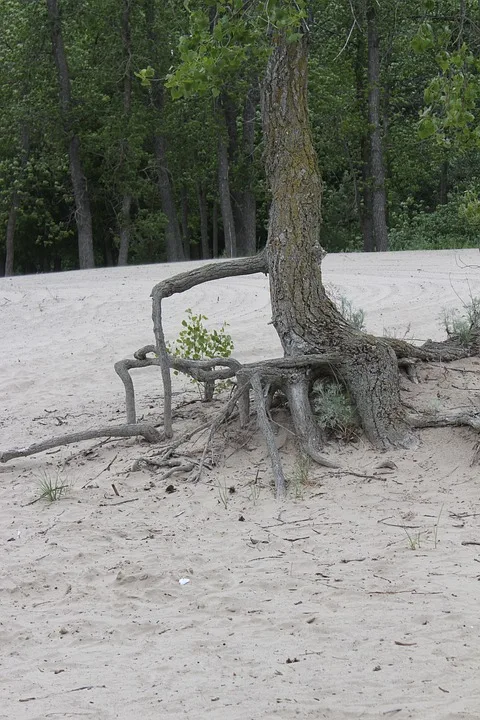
(178, 284)
(464, 416)
(446, 351)
(146, 430)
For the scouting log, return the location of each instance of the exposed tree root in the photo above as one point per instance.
(178, 284)
(293, 375)
(464, 416)
(143, 429)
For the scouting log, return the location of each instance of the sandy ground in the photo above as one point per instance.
(357, 597)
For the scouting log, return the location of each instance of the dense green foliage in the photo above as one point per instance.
(191, 66)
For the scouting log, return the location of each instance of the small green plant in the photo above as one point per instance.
(333, 409)
(397, 332)
(195, 342)
(254, 490)
(435, 529)
(52, 488)
(413, 540)
(462, 326)
(354, 316)
(223, 493)
(300, 475)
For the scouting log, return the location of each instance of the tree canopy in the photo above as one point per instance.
(163, 120)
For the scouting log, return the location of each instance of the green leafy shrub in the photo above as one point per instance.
(195, 342)
(333, 409)
(463, 325)
(354, 316)
(448, 226)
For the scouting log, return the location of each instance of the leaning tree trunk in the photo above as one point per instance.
(305, 319)
(377, 162)
(83, 215)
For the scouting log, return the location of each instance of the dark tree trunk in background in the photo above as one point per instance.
(245, 206)
(124, 230)
(305, 319)
(185, 228)
(377, 163)
(224, 187)
(215, 229)
(364, 203)
(203, 212)
(173, 236)
(125, 220)
(10, 235)
(15, 205)
(443, 185)
(83, 216)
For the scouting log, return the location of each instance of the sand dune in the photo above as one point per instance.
(357, 597)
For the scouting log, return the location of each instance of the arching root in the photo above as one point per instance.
(145, 430)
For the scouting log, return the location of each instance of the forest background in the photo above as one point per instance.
(130, 130)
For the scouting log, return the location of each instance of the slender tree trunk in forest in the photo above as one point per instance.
(185, 228)
(15, 205)
(10, 235)
(124, 230)
(224, 187)
(203, 212)
(245, 206)
(173, 236)
(443, 185)
(377, 164)
(365, 194)
(125, 220)
(83, 216)
(366, 219)
(305, 319)
(215, 229)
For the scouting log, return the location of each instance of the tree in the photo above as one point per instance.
(317, 341)
(315, 337)
(82, 201)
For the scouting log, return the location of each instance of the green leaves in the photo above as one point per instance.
(145, 76)
(195, 342)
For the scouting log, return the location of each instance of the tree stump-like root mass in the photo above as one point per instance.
(292, 376)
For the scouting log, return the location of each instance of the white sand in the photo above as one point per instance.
(93, 621)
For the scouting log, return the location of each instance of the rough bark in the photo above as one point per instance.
(83, 215)
(377, 162)
(305, 319)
